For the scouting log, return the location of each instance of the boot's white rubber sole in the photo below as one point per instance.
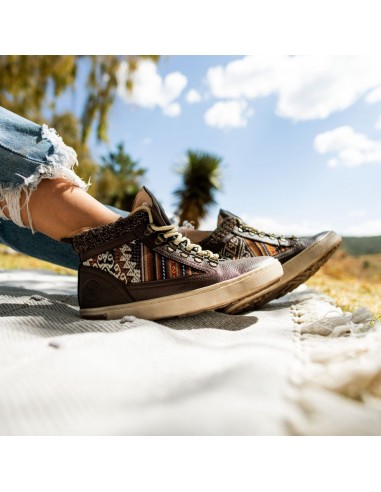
(296, 271)
(205, 299)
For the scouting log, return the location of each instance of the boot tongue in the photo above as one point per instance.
(145, 197)
(223, 215)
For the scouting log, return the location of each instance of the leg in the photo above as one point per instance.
(135, 266)
(60, 209)
(40, 191)
(38, 245)
(41, 246)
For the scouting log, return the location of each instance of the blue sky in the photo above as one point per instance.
(300, 137)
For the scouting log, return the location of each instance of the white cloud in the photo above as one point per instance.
(228, 114)
(362, 227)
(351, 148)
(307, 87)
(173, 109)
(357, 214)
(249, 77)
(374, 96)
(366, 228)
(151, 90)
(377, 125)
(269, 225)
(193, 96)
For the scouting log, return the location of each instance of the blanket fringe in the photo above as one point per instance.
(342, 349)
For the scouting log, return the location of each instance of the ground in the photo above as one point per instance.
(11, 260)
(352, 281)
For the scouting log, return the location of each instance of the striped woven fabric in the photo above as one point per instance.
(156, 267)
(134, 262)
(258, 248)
(238, 247)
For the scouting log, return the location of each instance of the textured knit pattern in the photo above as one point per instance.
(86, 241)
(133, 262)
(217, 237)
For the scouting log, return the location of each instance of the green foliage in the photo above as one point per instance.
(357, 246)
(31, 84)
(119, 179)
(25, 81)
(201, 180)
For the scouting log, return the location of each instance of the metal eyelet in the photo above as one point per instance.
(213, 264)
(184, 255)
(240, 229)
(148, 230)
(160, 238)
(197, 259)
(170, 249)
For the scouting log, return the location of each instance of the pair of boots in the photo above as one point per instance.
(143, 265)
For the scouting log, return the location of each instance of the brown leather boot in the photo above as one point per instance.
(300, 258)
(141, 265)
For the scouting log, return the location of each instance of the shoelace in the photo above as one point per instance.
(172, 231)
(252, 230)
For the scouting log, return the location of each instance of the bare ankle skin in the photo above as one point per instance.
(60, 209)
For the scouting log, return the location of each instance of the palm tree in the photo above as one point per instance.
(119, 178)
(201, 180)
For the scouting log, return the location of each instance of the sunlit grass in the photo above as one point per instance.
(352, 281)
(16, 261)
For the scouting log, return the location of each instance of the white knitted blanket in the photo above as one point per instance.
(300, 366)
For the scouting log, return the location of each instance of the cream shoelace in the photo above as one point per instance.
(172, 231)
(252, 230)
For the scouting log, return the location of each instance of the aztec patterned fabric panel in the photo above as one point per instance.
(238, 247)
(157, 267)
(134, 262)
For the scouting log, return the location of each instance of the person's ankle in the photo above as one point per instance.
(75, 232)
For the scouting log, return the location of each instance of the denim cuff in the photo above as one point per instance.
(28, 154)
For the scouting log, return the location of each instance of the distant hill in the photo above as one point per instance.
(357, 246)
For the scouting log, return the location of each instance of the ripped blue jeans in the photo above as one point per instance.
(28, 154)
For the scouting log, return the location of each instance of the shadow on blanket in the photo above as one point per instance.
(34, 303)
